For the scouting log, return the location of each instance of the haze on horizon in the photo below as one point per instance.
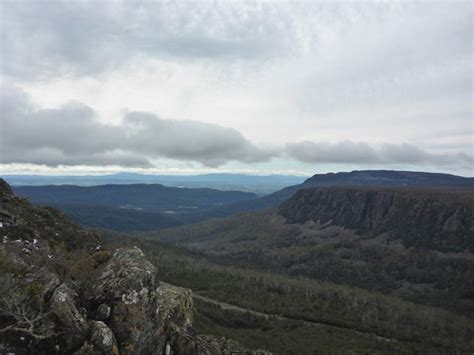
(253, 87)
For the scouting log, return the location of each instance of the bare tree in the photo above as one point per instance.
(22, 310)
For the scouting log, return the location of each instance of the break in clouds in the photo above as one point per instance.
(73, 134)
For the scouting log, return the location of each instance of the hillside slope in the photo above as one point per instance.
(62, 291)
(413, 244)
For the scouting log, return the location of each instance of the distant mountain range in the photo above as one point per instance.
(261, 184)
(128, 207)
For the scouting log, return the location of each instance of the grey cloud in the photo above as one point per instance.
(74, 135)
(46, 39)
(190, 140)
(364, 153)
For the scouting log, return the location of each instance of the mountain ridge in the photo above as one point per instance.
(374, 178)
(416, 216)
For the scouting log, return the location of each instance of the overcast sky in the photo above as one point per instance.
(262, 87)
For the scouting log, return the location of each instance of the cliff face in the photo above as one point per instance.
(441, 220)
(62, 291)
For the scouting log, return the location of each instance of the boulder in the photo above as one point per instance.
(102, 338)
(72, 323)
(127, 283)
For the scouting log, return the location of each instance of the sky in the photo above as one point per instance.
(261, 87)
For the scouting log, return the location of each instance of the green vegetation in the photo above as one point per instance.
(295, 337)
(323, 316)
(263, 241)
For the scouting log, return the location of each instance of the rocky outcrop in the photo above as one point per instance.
(5, 189)
(437, 219)
(69, 319)
(143, 316)
(62, 292)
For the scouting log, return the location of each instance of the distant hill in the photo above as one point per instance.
(119, 219)
(261, 184)
(147, 197)
(129, 207)
(373, 178)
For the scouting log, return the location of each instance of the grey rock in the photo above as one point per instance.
(103, 312)
(127, 283)
(5, 189)
(103, 338)
(72, 322)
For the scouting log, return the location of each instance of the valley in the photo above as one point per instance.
(333, 268)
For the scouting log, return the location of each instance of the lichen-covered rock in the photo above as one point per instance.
(103, 312)
(127, 276)
(102, 338)
(175, 303)
(127, 283)
(70, 320)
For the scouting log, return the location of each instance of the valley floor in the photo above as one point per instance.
(291, 315)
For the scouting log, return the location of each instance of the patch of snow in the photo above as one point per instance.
(1, 224)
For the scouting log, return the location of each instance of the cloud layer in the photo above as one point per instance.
(73, 135)
(363, 153)
(321, 83)
(90, 37)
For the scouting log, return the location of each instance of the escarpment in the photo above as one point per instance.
(63, 292)
(440, 220)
